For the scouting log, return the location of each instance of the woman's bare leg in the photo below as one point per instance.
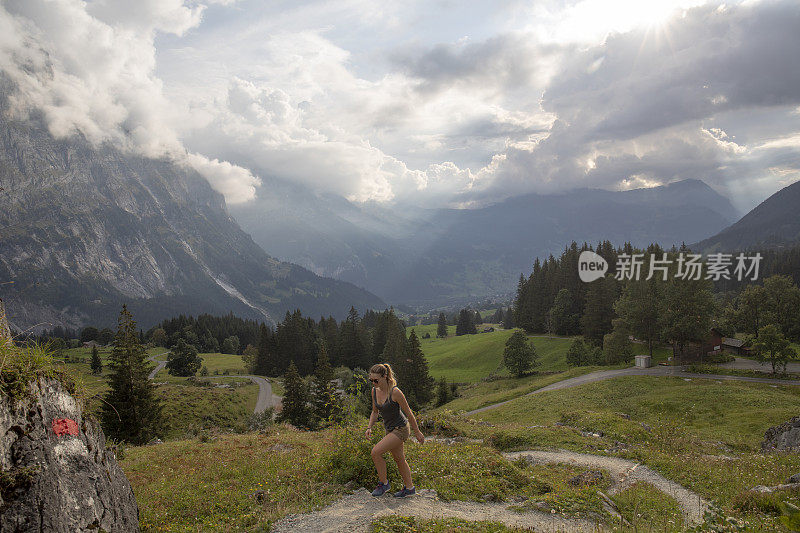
(399, 454)
(387, 443)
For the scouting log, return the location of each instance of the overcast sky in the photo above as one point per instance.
(431, 102)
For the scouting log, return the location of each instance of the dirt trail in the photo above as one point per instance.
(356, 511)
(625, 473)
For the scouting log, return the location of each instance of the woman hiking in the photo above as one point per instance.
(391, 403)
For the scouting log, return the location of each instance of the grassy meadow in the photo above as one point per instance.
(704, 434)
(190, 407)
(471, 358)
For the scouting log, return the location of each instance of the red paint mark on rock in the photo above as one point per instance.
(65, 426)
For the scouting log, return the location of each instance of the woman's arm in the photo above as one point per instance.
(373, 416)
(400, 398)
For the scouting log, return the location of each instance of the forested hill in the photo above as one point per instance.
(84, 229)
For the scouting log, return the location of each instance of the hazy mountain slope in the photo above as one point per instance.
(775, 222)
(83, 230)
(438, 256)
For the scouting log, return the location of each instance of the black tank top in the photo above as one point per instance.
(390, 411)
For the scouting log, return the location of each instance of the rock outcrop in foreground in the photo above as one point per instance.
(55, 471)
(784, 437)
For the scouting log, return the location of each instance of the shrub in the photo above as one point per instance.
(757, 502)
(261, 421)
(505, 441)
(350, 456)
(441, 423)
(717, 358)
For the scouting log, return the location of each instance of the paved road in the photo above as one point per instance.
(676, 371)
(159, 364)
(265, 397)
(742, 363)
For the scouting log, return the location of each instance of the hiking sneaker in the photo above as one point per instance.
(381, 489)
(405, 492)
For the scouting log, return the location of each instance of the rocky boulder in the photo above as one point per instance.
(784, 437)
(55, 471)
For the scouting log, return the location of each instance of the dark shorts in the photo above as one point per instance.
(403, 432)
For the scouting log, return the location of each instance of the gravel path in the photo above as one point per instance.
(355, 512)
(600, 375)
(265, 397)
(625, 473)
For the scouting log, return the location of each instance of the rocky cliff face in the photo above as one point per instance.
(55, 471)
(84, 229)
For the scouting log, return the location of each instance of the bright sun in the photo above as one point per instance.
(592, 20)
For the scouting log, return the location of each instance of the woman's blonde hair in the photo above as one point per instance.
(384, 370)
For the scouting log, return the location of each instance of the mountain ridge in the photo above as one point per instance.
(87, 228)
(773, 223)
(443, 256)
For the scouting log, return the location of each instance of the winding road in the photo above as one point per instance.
(265, 397)
(672, 371)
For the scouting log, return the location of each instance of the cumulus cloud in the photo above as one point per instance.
(650, 107)
(89, 68)
(413, 105)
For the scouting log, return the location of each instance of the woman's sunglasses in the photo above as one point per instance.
(374, 380)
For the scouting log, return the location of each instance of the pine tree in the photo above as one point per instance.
(417, 379)
(395, 347)
(380, 334)
(617, 347)
(295, 400)
(131, 411)
(97, 364)
(519, 356)
(466, 325)
(641, 310)
(265, 359)
(599, 310)
(442, 392)
(323, 392)
(508, 319)
(578, 353)
(354, 342)
(688, 308)
(441, 328)
(183, 360)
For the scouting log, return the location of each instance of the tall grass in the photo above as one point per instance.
(19, 365)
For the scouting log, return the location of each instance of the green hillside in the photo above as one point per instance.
(190, 406)
(470, 358)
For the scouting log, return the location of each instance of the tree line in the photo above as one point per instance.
(668, 307)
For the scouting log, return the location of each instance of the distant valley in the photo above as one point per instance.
(435, 257)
